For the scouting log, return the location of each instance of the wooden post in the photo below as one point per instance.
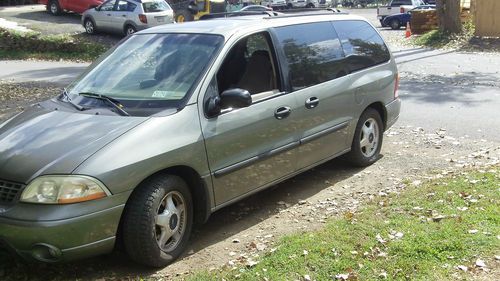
(449, 16)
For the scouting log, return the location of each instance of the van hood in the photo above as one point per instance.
(41, 141)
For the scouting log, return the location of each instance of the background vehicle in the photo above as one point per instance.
(56, 7)
(275, 4)
(256, 8)
(356, 3)
(398, 20)
(303, 3)
(193, 10)
(127, 16)
(397, 7)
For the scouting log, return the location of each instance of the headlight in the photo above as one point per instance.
(63, 190)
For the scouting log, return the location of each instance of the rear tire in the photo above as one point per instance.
(395, 24)
(54, 8)
(183, 16)
(89, 26)
(157, 221)
(310, 6)
(129, 30)
(367, 141)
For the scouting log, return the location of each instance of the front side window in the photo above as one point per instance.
(150, 71)
(250, 65)
(313, 53)
(362, 45)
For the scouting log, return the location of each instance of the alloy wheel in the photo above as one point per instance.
(369, 138)
(170, 221)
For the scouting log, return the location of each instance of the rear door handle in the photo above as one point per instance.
(109, 15)
(124, 16)
(312, 102)
(282, 112)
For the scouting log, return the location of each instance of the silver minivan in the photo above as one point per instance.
(179, 121)
(127, 16)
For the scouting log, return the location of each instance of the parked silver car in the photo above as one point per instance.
(127, 16)
(179, 121)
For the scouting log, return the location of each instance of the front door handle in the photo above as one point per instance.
(109, 15)
(124, 16)
(282, 112)
(312, 102)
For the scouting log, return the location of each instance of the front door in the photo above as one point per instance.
(250, 148)
(103, 17)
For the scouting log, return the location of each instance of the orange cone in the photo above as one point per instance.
(408, 30)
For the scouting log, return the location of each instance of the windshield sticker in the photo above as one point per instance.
(168, 94)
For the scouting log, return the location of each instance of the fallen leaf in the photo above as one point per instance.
(480, 263)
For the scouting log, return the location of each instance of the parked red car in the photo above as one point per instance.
(56, 7)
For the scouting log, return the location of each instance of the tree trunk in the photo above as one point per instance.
(449, 16)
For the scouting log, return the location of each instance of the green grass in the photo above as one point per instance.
(428, 249)
(440, 39)
(26, 45)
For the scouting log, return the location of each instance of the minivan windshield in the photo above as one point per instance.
(148, 73)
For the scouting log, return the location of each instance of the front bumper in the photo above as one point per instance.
(62, 240)
(392, 109)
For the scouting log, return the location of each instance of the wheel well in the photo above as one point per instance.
(380, 108)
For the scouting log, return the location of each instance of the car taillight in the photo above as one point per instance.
(396, 86)
(143, 18)
(401, 10)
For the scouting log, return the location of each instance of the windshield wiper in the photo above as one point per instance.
(68, 99)
(116, 104)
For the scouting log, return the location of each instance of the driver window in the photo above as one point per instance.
(108, 6)
(250, 65)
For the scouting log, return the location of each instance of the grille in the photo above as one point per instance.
(8, 191)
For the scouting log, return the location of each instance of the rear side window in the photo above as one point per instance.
(362, 45)
(313, 53)
(155, 6)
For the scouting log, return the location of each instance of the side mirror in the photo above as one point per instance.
(232, 98)
(98, 8)
(235, 98)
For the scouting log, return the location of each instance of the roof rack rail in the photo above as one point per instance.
(238, 14)
(309, 10)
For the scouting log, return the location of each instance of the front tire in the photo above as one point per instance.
(367, 142)
(158, 220)
(54, 8)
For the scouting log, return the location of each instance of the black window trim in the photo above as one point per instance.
(287, 83)
(278, 67)
(375, 30)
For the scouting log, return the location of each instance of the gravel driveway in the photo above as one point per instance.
(420, 146)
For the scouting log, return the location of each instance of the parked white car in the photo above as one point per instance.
(127, 16)
(397, 7)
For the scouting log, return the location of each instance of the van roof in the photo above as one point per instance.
(229, 26)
